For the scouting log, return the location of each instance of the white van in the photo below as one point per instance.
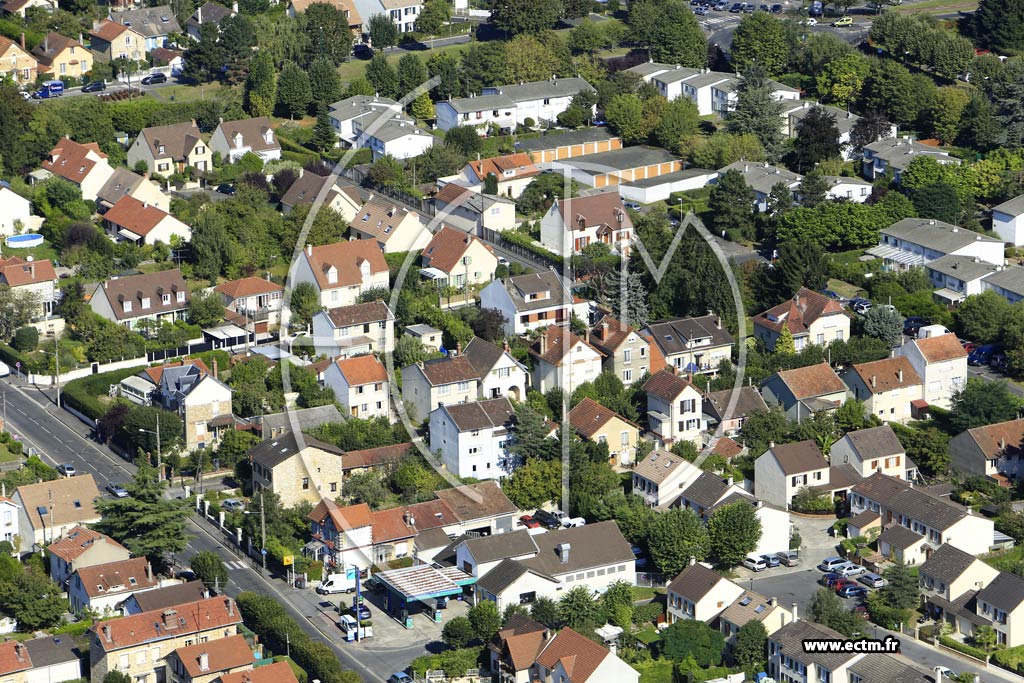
(928, 331)
(573, 522)
(348, 625)
(336, 583)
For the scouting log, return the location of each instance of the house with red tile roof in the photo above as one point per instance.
(941, 363)
(811, 318)
(111, 40)
(82, 547)
(256, 298)
(101, 588)
(341, 535)
(802, 392)
(206, 662)
(511, 172)
(674, 409)
(561, 359)
(572, 224)
(139, 645)
(342, 271)
(16, 62)
(459, 257)
(995, 451)
(278, 672)
(62, 57)
(367, 459)
(52, 659)
(20, 6)
(138, 222)
(599, 424)
(887, 387)
(37, 277)
(360, 385)
(82, 165)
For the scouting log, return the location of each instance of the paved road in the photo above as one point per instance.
(985, 372)
(60, 438)
(720, 26)
(112, 87)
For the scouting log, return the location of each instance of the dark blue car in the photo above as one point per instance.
(983, 354)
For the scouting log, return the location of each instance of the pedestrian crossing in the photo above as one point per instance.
(234, 565)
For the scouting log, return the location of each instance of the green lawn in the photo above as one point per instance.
(41, 253)
(844, 288)
(648, 635)
(357, 67)
(7, 456)
(643, 593)
(186, 93)
(937, 6)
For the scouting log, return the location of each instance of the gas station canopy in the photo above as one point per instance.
(424, 582)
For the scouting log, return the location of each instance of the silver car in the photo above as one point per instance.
(789, 558)
(849, 569)
(872, 580)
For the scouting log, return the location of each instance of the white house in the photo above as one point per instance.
(848, 188)
(1008, 220)
(995, 451)
(500, 374)
(941, 363)
(561, 359)
(342, 271)
(572, 224)
(871, 450)
(887, 387)
(130, 220)
(919, 241)
(103, 587)
(893, 155)
(674, 409)
(508, 106)
(8, 520)
(472, 438)
(395, 229)
(156, 297)
(48, 510)
(1007, 283)
(714, 92)
(360, 385)
(784, 469)
(235, 139)
(795, 112)
(346, 532)
(377, 123)
(661, 476)
(700, 594)
(354, 330)
(532, 301)
(957, 277)
(762, 178)
(81, 547)
(459, 257)
(803, 392)
(512, 173)
(14, 211)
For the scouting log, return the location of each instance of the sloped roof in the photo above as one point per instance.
(208, 13)
(392, 524)
(272, 452)
(77, 541)
(16, 272)
(177, 139)
(380, 217)
(471, 502)
(372, 457)
(578, 655)
(940, 348)
(812, 381)
(1002, 438)
(139, 217)
(482, 354)
(52, 47)
(589, 417)
(346, 257)
(122, 576)
(560, 342)
(876, 442)
(695, 582)
(658, 465)
(520, 163)
(168, 596)
(72, 160)
(14, 657)
(447, 247)
(152, 22)
(1005, 592)
(604, 208)
(947, 563)
(72, 501)
(501, 546)
(369, 312)
(887, 374)
(475, 415)
(193, 617)
(278, 672)
(134, 288)
(593, 545)
(247, 286)
(899, 497)
(448, 370)
(748, 400)
(362, 370)
(608, 334)
(343, 518)
(253, 131)
(222, 654)
(799, 313)
(799, 457)
(667, 385)
(900, 537)
(108, 30)
(121, 182)
(792, 637)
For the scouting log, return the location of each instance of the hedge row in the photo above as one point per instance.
(525, 241)
(968, 650)
(83, 394)
(279, 631)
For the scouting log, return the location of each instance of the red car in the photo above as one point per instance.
(968, 345)
(529, 522)
(842, 583)
(862, 612)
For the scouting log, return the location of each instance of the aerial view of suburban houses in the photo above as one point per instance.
(511, 341)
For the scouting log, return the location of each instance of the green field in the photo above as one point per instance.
(937, 6)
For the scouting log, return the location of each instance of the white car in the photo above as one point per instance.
(755, 563)
(502, 261)
(810, 21)
(5, 369)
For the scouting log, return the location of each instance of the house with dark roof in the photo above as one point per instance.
(162, 598)
(440, 381)
(919, 241)
(803, 392)
(342, 271)
(949, 580)
(594, 556)
(957, 277)
(337, 194)
(941, 363)
(470, 211)
(166, 150)
(258, 299)
(208, 13)
(561, 359)
(49, 510)
(1007, 283)
(784, 469)
(235, 139)
(1001, 605)
(507, 106)
(354, 330)
(598, 424)
(887, 387)
(1008, 220)
(142, 300)
(572, 224)
(938, 520)
(871, 450)
(892, 155)
(110, 40)
(730, 408)
(62, 57)
(155, 24)
(524, 651)
(500, 373)
(102, 588)
(54, 659)
(139, 645)
(458, 257)
(472, 438)
(701, 594)
(298, 419)
(691, 345)
(297, 467)
(570, 144)
(995, 451)
(124, 182)
(674, 409)
(532, 301)
(79, 548)
(625, 352)
(811, 318)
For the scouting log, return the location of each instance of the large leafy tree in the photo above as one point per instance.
(627, 116)
(411, 73)
(324, 82)
(760, 38)
(981, 403)
(826, 608)
(525, 16)
(293, 91)
(577, 608)
(382, 31)
(145, 522)
(885, 324)
(902, 589)
(485, 620)
(261, 85)
(817, 139)
(535, 483)
(382, 76)
(210, 569)
(676, 538)
(751, 648)
(734, 531)
(433, 17)
(841, 81)
(757, 112)
(677, 37)
(33, 599)
(691, 638)
(205, 58)
(327, 32)
(679, 120)
(999, 25)
(732, 203)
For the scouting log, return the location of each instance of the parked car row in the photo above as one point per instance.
(758, 563)
(991, 355)
(551, 520)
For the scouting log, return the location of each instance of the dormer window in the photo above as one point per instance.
(161, 149)
(181, 297)
(145, 302)
(268, 137)
(127, 306)
(238, 139)
(332, 275)
(166, 299)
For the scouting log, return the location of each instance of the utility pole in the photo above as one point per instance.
(56, 366)
(263, 532)
(159, 456)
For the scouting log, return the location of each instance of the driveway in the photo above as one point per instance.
(815, 545)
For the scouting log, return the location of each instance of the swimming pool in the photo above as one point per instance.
(26, 241)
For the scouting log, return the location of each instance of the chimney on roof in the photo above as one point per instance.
(899, 375)
(544, 342)
(563, 552)
(604, 330)
(204, 661)
(19, 651)
(309, 250)
(234, 7)
(773, 601)
(149, 571)
(771, 444)
(458, 348)
(230, 605)
(168, 618)
(874, 381)
(22, 40)
(199, 14)
(504, 345)
(1002, 443)
(796, 612)
(106, 632)
(215, 368)
(32, 270)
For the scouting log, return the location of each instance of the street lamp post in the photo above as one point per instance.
(56, 366)
(159, 455)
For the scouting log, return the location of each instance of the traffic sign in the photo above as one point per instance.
(288, 560)
(264, 551)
